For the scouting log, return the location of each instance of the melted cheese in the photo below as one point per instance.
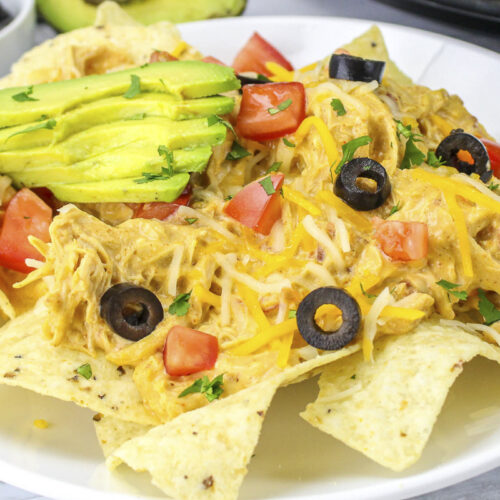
(326, 137)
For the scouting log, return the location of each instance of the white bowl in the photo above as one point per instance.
(17, 37)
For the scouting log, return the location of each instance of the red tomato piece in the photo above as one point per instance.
(494, 153)
(254, 119)
(159, 209)
(254, 55)
(402, 240)
(256, 209)
(26, 215)
(213, 60)
(189, 351)
(161, 56)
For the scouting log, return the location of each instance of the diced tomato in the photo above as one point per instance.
(402, 240)
(161, 56)
(189, 351)
(494, 153)
(160, 210)
(254, 119)
(213, 60)
(254, 55)
(26, 215)
(256, 209)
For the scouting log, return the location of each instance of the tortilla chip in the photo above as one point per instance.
(113, 432)
(387, 409)
(371, 45)
(203, 454)
(30, 361)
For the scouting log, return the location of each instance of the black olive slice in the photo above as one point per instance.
(131, 311)
(313, 334)
(357, 198)
(458, 140)
(356, 69)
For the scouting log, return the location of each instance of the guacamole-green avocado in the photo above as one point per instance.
(67, 15)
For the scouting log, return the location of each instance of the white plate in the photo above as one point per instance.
(293, 460)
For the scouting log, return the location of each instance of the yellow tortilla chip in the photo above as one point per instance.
(30, 361)
(371, 45)
(387, 409)
(113, 432)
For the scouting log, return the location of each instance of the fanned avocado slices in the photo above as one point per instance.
(116, 164)
(122, 190)
(186, 79)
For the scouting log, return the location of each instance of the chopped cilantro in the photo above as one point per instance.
(169, 158)
(413, 155)
(450, 288)
(50, 124)
(212, 390)
(43, 118)
(237, 152)
(191, 220)
(213, 119)
(349, 148)
(365, 293)
(337, 106)
(85, 371)
(135, 87)
(228, 197)
(353, 377)
(487, 309)
(281, 193)
(274, 167)
(25, 96)
(286, 142)
(433, 160)
(262, 78)
(138, 116)
(292, 313)
(267, 184)
(493, 187)
(180, 305)
(394, 209)
(280, 107)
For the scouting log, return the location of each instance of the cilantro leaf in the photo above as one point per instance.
(493, 187)
(433, 160)
(169, 157)
(25, 96)
(450, 288)
(487, 309)
(135, 87)
(262, 78)
(280, 107)
(267, 184)
(286, 142)
(180, 305)
(274, 167)
(213, 119)
(349, 148)
(228, 197)
(365, 293)
(212, 390)
(237, 152)
(50, 124)
(292, 313)
(191, 220)
(138, 116)
(394, 209)
(85, 371)
(337, 106)
(413, 155)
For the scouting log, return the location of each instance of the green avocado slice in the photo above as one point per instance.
(67, 15)
(147, 134)
(122, 190)
(117, 164)
(110, 110)
(187, 79)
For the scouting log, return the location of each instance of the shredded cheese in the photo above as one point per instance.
(174, 270)
(309, 67)
(473, 328)
(478, 184)
(252, 302)
(206, 296)
(326, 137)
(279, 73)
(225, 296)
(284, 350)
(402, 313)
(300, 200)
(443, 125)
(324, 240)
(179, 49)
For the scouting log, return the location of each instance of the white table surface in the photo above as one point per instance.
(486, 486)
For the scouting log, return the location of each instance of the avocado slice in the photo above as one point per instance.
(117, 164)
(187, 79)
(122, 190)
(67, 15)
(110, 110)
(147, 134)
